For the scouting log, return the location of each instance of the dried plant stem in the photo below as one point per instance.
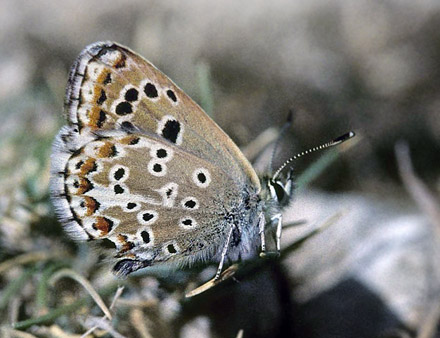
(52, 315)
(63, 310)
(7, 332)
(429, 204)
(86, 284)
(296, 244)
(115, 298)
(426, 201)
(14, 287)
(26, 258)
(428, 328)
(139, 323)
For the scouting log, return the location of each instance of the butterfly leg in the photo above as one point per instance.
(279, 219)
(262, 226)
(224, 252)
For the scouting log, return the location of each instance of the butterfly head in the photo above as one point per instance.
(279, 190)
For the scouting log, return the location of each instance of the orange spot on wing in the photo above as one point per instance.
(120, 61)
(103, 77)
(130, 140)
(91, 204)
(103, 224)
(97, 117)
(88, 166)
(84, 186)
(125, 244)
(107, 150)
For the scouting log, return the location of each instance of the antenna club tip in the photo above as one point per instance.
(344, 137)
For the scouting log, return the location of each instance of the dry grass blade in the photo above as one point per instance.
(228, 273)
(85, 283)
(103, 324)
(112, 305)
(429, 204)
(429, 325)
(11, 333)
(417, 189)
(139, 323)
(53, 331)
(27, 258)
(296, 244)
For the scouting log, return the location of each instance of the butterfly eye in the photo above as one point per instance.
(277, 190)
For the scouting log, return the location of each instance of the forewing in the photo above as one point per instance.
(110, 86)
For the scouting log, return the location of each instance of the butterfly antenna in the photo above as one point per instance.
(283, 131)
(332, 143)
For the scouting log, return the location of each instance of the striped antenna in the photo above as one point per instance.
(332, 143)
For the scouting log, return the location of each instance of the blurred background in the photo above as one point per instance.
(368, 66)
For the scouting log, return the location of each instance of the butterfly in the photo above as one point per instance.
(139, 163)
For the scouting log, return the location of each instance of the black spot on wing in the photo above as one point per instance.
(171, 249)
(102, 97)
(157, 168)
(171, 95)
(171, 130)
(145, 236)
(190, 204)
(147, 216)
(131, 95)
(119, 174)
(201, 177)
(118, 189)
(124, 108)
(161, 153)
(150, 90)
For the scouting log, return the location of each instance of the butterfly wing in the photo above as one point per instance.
(111, 86)
(141, 164)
